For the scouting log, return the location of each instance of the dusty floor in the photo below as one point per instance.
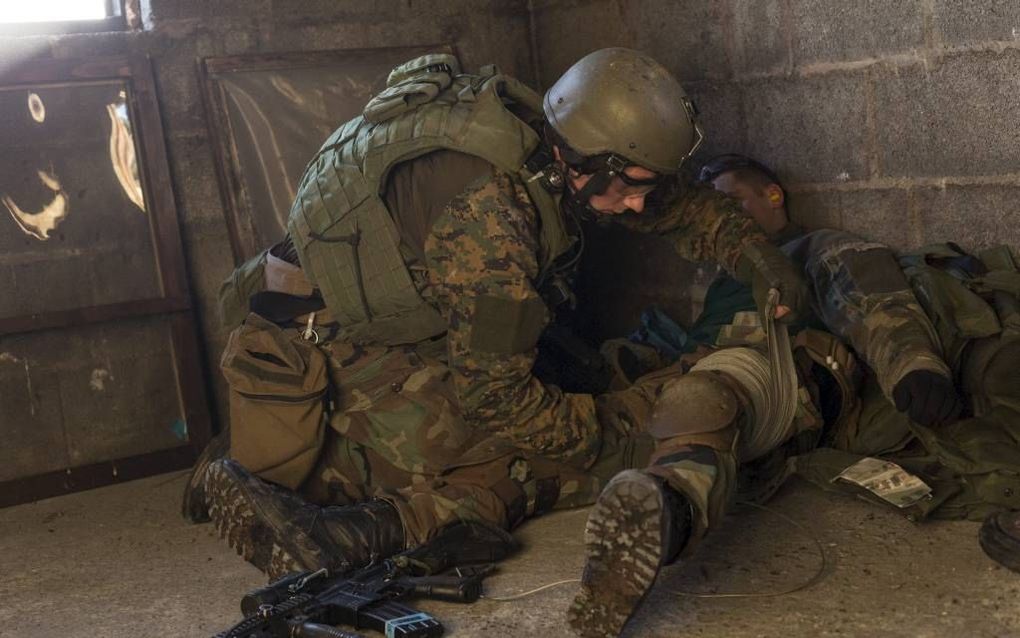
(119, 562)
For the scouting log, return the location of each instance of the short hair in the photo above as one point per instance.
(746, 169)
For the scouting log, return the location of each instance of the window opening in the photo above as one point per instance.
(56, 10)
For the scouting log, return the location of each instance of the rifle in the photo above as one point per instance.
(310, 604)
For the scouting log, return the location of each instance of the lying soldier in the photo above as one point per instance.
(903, 407)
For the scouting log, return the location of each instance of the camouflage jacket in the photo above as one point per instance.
(482, 256)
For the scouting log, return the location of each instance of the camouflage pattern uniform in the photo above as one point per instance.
(861, 295)
(458, 427)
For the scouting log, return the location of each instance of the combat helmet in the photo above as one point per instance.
(618, 107)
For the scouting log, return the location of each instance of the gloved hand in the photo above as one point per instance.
(764, 266)
(929, 398)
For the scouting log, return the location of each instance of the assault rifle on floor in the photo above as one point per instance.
(311, 604)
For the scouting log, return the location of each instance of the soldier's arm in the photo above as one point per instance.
(706, 225)
(482, 261)
(703, 225)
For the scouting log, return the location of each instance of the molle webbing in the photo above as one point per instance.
(346, 238)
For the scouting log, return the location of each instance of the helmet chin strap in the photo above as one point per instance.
(579, 200)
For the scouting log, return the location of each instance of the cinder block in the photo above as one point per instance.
(877, 215)
(762, 45)
(207, 247)
(955, 118)
(720, 116)
(815, 210)
(499, 36)
(86, 45)
(964, 22)
(195, 183)
(973, 216)
(592, 25)
(686, 37)
(827, 31)
(160, 10)
(809, 129)
(19, 52)
(177, 88)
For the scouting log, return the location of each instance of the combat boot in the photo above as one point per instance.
(637, 526)
(193, 506)
(1000, 538)
(279, 532)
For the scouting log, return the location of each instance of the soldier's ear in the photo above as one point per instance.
(775, 195)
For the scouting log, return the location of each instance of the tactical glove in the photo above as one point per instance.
(929, 398)
(764, 266)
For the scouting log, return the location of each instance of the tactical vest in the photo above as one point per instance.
(346, 239)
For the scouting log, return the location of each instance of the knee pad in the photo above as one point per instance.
(698, 406)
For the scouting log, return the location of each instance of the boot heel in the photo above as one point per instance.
(624, 551)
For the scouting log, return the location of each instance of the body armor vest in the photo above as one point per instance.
(345, 237)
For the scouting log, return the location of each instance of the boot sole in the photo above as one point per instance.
(238, 518)
(623, 541)
(1000, 545)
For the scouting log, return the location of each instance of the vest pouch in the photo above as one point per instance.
(428, 63)
(279, 390)
(405, 97)
(412, 84)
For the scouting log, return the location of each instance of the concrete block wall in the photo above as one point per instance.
(897, 120)
(177, 33)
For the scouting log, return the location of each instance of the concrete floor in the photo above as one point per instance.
(119, 562)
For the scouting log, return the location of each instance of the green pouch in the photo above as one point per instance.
(412, 84)
(278, 399)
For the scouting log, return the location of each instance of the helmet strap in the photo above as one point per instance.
(603, 169)
(580, 200)
(546, 169)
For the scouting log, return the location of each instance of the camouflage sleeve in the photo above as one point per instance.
(703, 224)
(861, 295)
(482, 260)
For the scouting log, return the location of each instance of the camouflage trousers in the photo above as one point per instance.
(861, 295)
(398, 436)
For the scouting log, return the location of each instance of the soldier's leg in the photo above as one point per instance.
(862, 296)
(278, 531)
(645, 519)
(322, 523)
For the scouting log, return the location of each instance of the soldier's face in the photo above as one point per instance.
(619, 197)
(766, 205)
